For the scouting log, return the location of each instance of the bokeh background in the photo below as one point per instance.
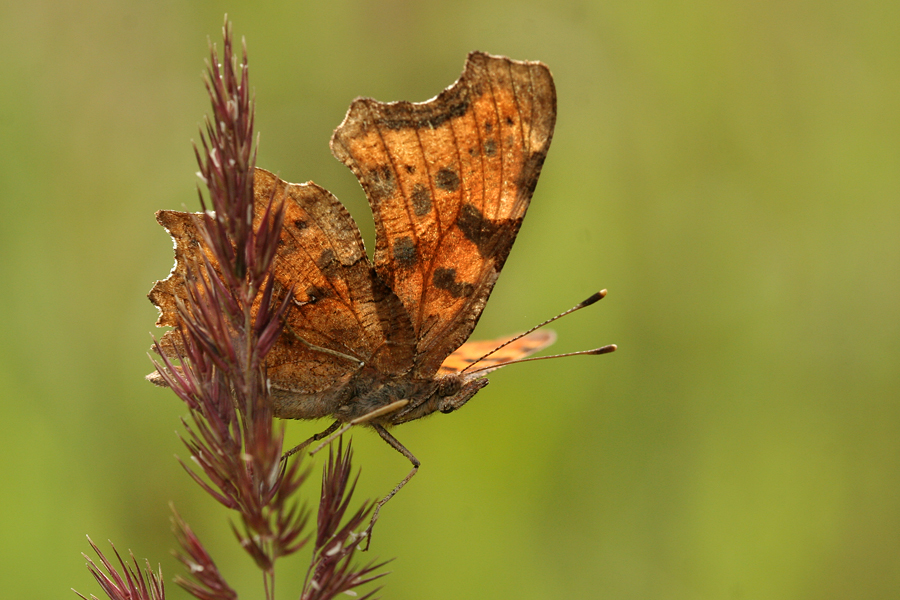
(728, 170)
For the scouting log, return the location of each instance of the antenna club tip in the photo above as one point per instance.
(605, 349)
(594, 298)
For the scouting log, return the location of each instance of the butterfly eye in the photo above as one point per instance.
(449, 386)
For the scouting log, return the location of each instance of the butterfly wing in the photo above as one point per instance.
(449, 181)
(337, 302)
(469, 353)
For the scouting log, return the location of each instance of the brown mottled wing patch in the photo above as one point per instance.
(449, 181)
(470, 352)
(188, 254)
(338, 302)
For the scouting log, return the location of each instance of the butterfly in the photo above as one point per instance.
(384, 341)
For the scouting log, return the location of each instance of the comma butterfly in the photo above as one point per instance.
(448, 181)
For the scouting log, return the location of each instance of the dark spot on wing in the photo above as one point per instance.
(476, 228)
(300, 224)
(447, 179)
(405, 115)
(315, 293)
(421, 200)
(490, 147)
(405, 253)
(381, 181)
(410, 169)
(327, 262)
(488, 126)
(509, 120)
(445, 279)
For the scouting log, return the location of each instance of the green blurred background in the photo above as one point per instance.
(728, 170)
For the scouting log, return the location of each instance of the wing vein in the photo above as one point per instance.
(428, 269)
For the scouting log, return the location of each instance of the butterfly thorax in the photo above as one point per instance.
(368, 390)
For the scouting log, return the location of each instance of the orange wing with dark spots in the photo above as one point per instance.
(449, 181)
(474, 354)
(338, 302)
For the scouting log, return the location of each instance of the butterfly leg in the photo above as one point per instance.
(314, 438)
(363, 419)
(396, 445)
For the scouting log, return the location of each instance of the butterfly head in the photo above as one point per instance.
(444, 394)
(454, 395)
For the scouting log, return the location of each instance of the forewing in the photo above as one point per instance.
(338, 303)
(449, 181)
(340, 315)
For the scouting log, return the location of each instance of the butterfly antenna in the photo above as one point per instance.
(602, 350)
(583, 304)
